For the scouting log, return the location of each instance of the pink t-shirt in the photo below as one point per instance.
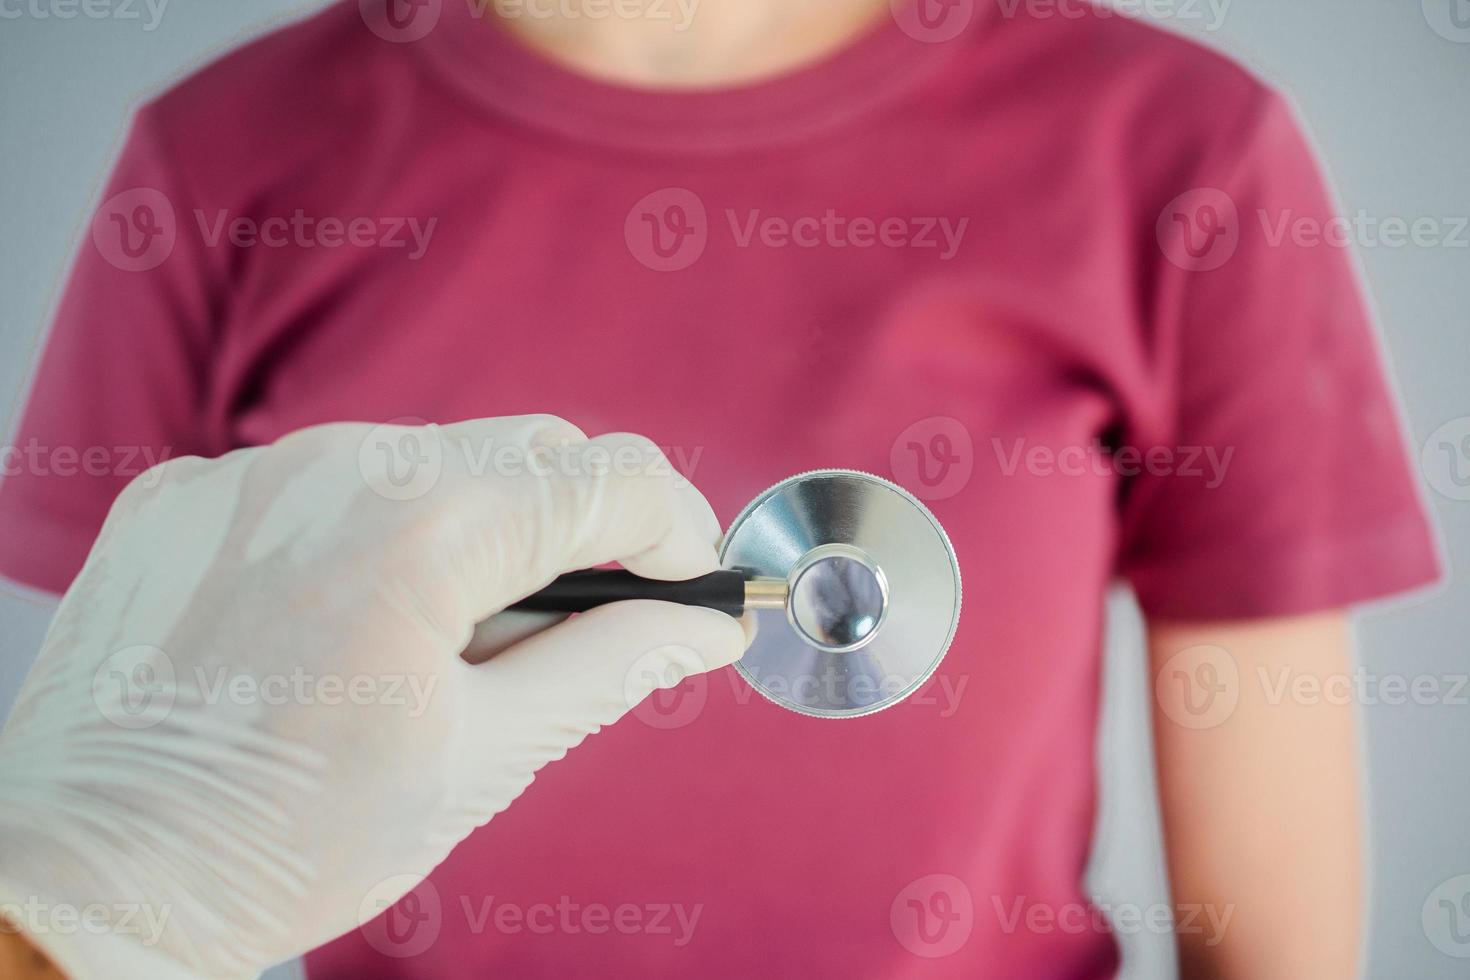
(1046, 271)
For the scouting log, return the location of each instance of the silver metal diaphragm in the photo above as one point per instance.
(874, 592)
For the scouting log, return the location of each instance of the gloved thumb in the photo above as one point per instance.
(540, 698)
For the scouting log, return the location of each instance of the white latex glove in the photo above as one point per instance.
(190, 748)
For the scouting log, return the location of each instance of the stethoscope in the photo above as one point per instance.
(855, 587)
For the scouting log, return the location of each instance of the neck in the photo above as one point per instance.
(685, 43)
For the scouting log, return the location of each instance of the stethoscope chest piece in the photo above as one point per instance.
(873, 592)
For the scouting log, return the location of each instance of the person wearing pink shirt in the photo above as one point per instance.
(1019, 260)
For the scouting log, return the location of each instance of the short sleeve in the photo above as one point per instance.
(1287, 487)
(123, 377)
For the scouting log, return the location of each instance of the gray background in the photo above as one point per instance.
(1384, 94)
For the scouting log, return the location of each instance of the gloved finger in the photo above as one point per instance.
(545, 695)
(525, 501)
(703, 524)
(506, 447)
(598, 648)
(469, 548)
(691, 547)
(637, 510)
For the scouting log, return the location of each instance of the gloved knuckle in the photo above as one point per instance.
(546, 427)
(169, 471)
(637, 457)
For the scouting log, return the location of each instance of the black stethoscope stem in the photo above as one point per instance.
(728, 591)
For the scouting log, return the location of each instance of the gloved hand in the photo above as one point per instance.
(252, 707)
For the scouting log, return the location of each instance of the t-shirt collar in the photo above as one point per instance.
(869, 73)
